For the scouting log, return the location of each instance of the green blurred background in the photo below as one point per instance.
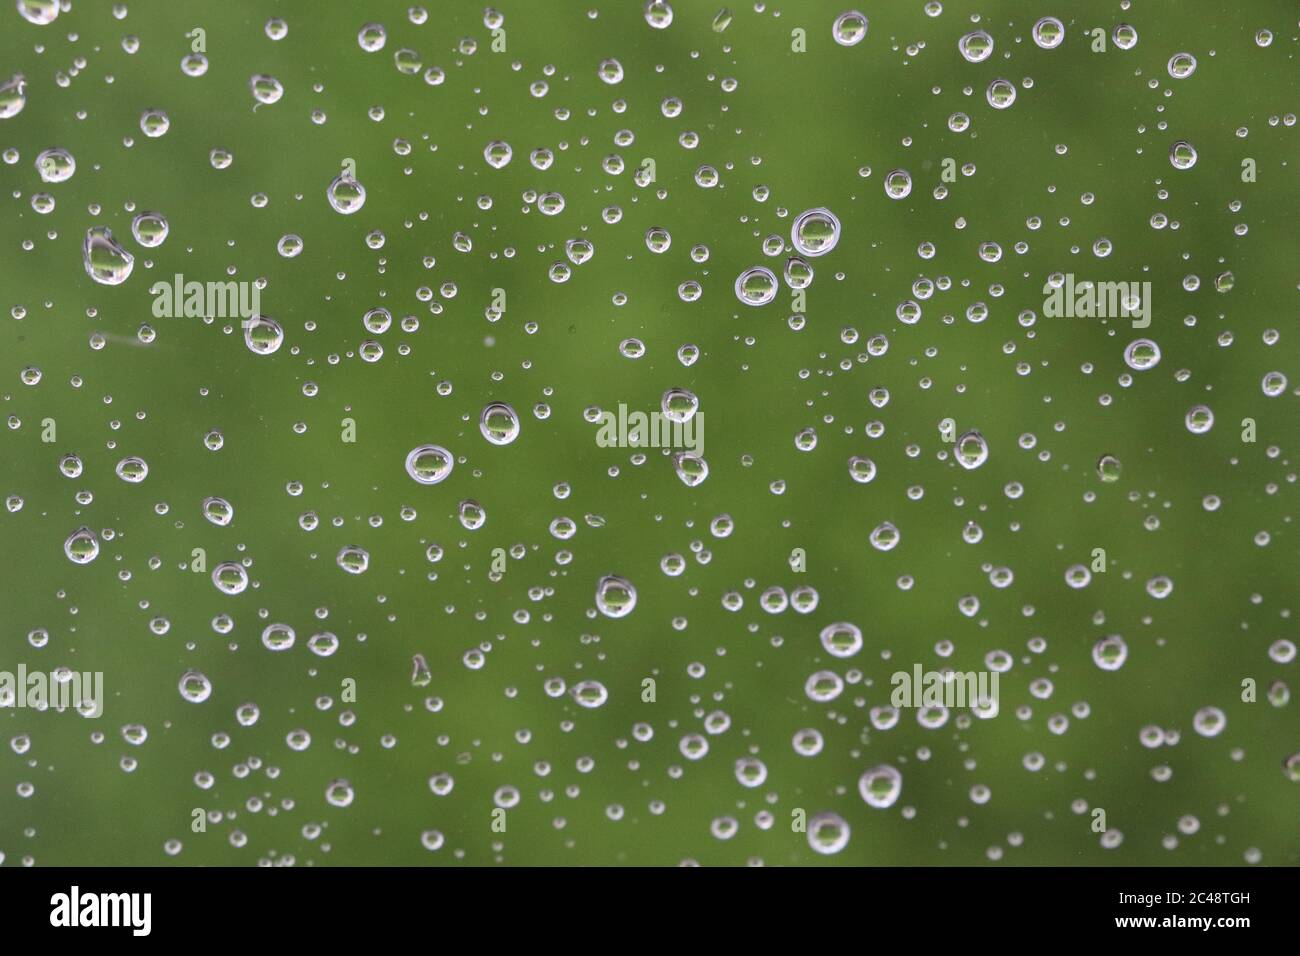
(817, 128)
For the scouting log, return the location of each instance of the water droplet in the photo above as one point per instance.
(420, 675)
(230, 578)
(615, 596)
(40, 12)
(150, 229)
(611, 71)
(815, 232)
(841, 639)
(82, 546)
(1125, 36)
(658, 240)
(976, 46)
(340, 793)
(1182, 155)
(154, 123)
(898, 184)
(278, 637)
(263, 335)
(13, 96)
(589, 694)
(1199, 419)
(429, 464)
(104, 258)
(499, 423)
(691, 468)
(352, 559)
(880, 786)
(133, 470)
(1110, 653)
(1209, 721)
(195, 687)
(346, 195)
(219, 511)
(1001, 94)
(1181, 65)
(265, 89)
(849, 28)
(885, 537)
(756, 286)
(828, 833)
(679, 405)
(55, 165)
(1291, 767)
(972, 450)
(1048, 33)
(372, 37)
(1108, 468)
(471, 514)
(659, 14)
(497, 154)
(1142, 355)
(862, 470)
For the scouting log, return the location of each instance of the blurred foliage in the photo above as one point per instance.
(1084, 149)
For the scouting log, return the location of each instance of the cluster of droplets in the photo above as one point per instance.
(842, 673)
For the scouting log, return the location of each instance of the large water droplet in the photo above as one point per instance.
(195, 687)
(265, 89)
(976, 46)
(133, 469)
(659, 14)
(499, 423)
(497, 154)
(615, 596)
(104, 258)
(828, 833)
(815, 232)
(1181, 65)
(841, 639)
(346, 195)
(40, 12)
(1110, 653)
(219, 511)
(1001, 93)
(756, 286)
(13, 96)
(1141, 355)
(278, 637)
(849, 28)
(263, 335)
(353, 560)
(55, 165)
(880, 786)
(229, 577)
(679, 405)
(692, 469)
(972, 450)
(150, 229)
(429, 464)
(1182, 155)
(1048, 33)
(82, 546)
